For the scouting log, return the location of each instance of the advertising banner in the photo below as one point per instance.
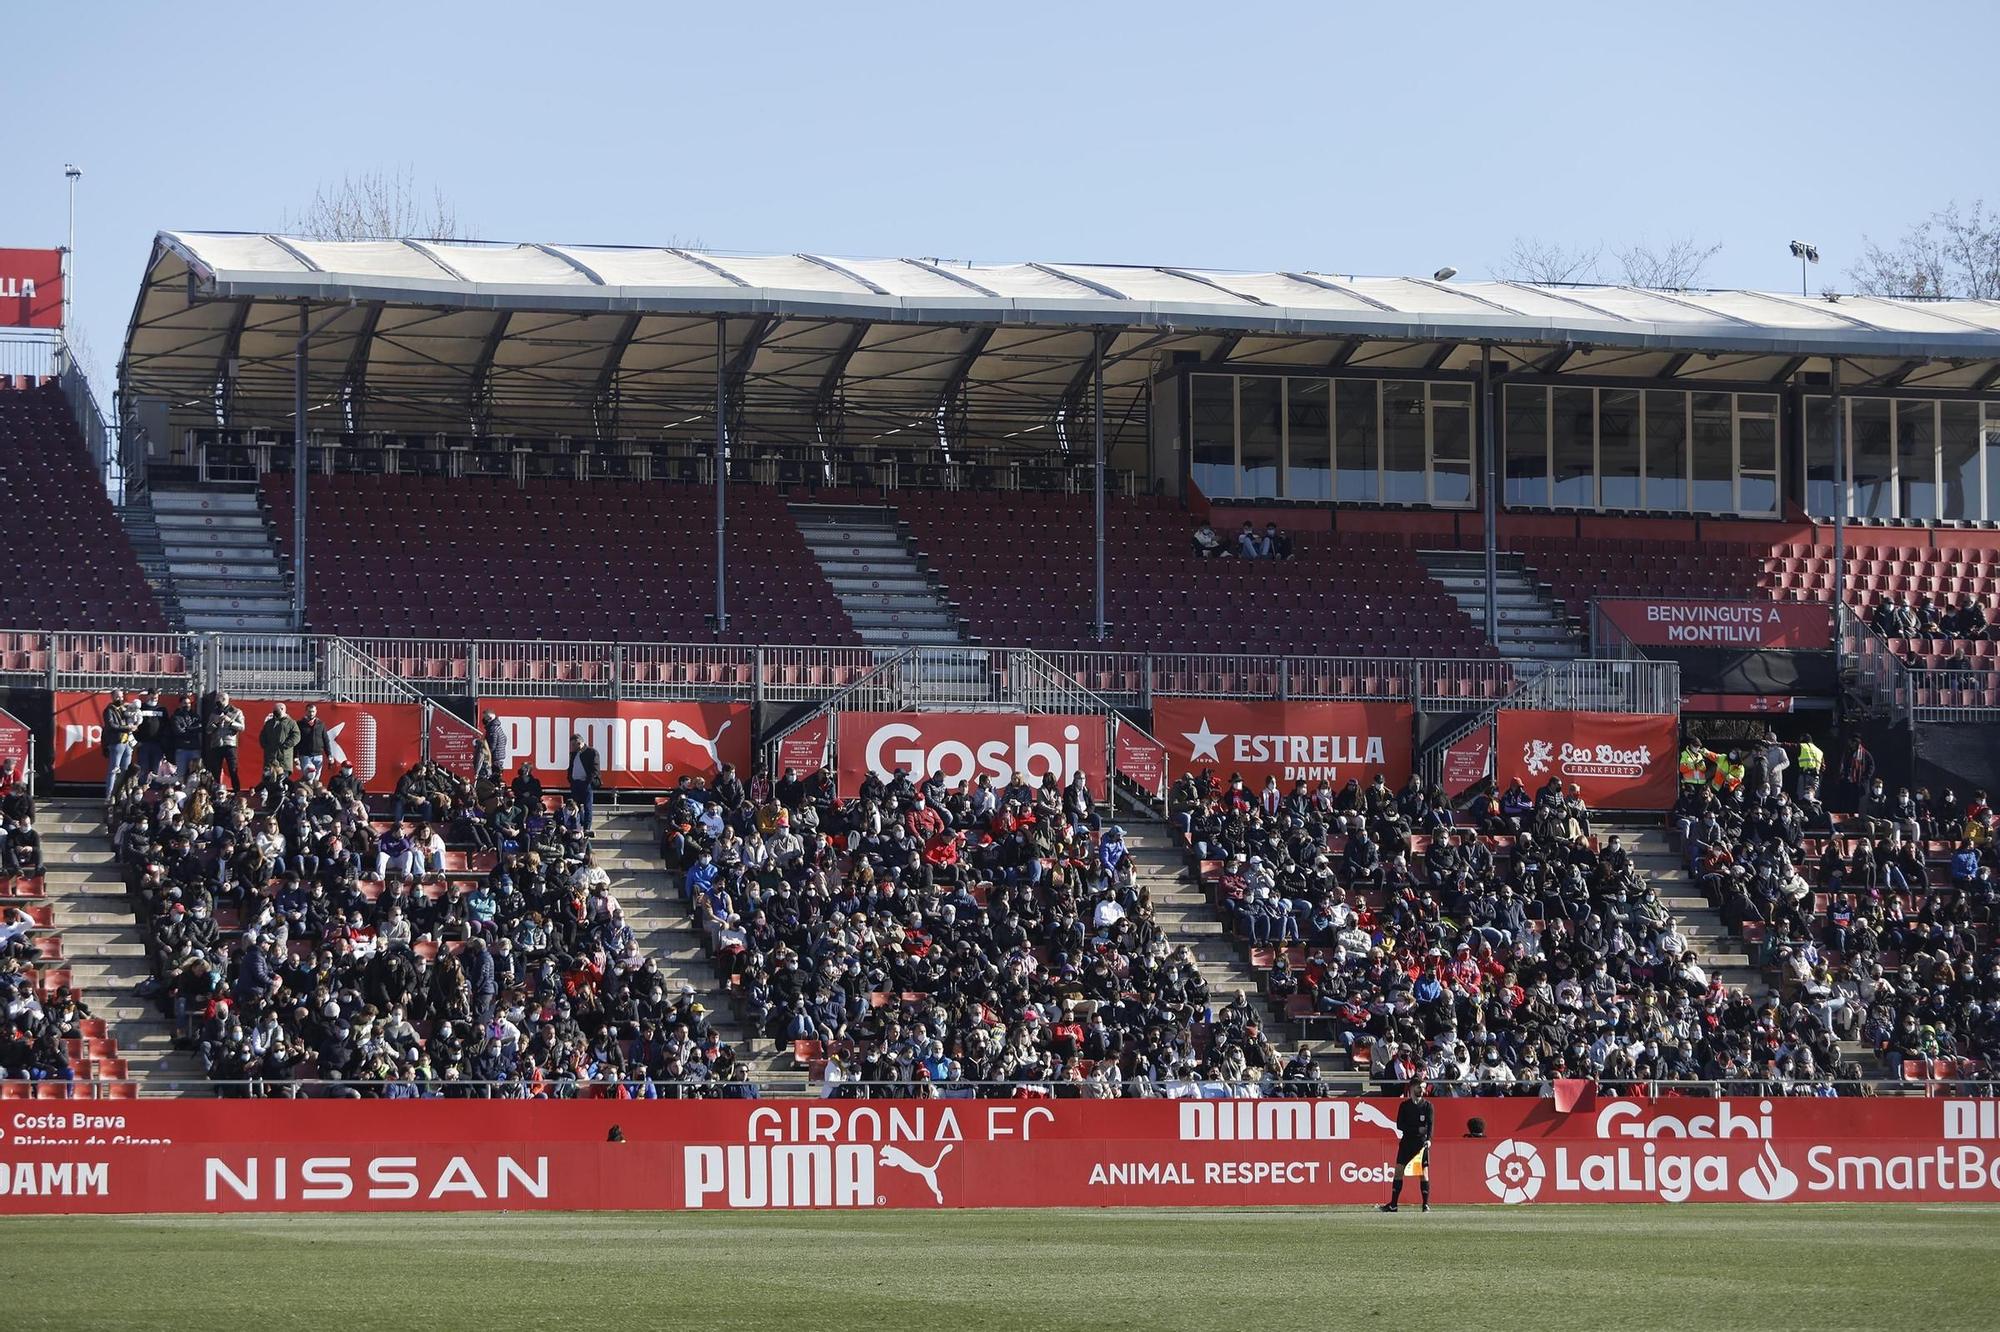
(17, 749)
(381, 740)
(1468, 762)
(803, 750)
(1620, 761)
(962, 746)
(177, 1155)
(1756, 625)
(641, 746)
(1312, 742)
(31, 288)
(1754, 704)
(1141, 760)
(453, 742)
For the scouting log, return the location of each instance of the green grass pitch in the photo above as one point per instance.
(1484, 1268)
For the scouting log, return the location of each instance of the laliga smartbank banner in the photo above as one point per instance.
(461, 1155)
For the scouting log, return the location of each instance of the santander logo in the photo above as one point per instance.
(1768, 1180)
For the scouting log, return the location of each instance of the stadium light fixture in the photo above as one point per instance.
(1445, 274)
(1806, 253)
(71, 173)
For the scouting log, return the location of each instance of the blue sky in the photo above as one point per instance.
(1378, 139)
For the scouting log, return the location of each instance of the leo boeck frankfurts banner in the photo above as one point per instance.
(462, 1155)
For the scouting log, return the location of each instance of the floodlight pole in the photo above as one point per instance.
(721, 475)
(1097, 394)
(72, 173)
(1489, 507)
(1839, 514)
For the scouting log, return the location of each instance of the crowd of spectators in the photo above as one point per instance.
(920, 939)
(1490, 958)
(39, 1019)
(467, 944)
(1273, 543)
(1899, 617)
(1875, 916)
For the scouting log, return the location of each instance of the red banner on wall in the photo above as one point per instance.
(381, 740)
(1753, 625)
(31, 288)
(962, 746)
(640, 745)
(1619, 761)
(803, 750)
(1292, 741)
(478, 1155)
(1141, 760)
(1468, 762)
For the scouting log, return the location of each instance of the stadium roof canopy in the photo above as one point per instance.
(507, 336)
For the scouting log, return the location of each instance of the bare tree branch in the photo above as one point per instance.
(1953, 252)
(1676, 265)
(377, 205)
(1550, 262)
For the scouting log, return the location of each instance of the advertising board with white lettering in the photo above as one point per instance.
(964, 746)
(1309, 742)
(1615, 760)
(1760, 625)
(640, 745)
(458, 1155)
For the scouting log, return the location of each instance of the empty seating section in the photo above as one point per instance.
(69, 561)
(1020, 565)
(1580, 570)
(483, 557)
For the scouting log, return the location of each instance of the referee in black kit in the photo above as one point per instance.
(1414, 1120)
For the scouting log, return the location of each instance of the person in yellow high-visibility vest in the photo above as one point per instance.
(1694, 763)
(1811, 761)
(1728, 769)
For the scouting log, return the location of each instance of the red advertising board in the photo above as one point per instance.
(381, 740)
(1766, 704)
(174, 1155)
(961, 746)
(31, 288)
(453, 741)
(17, 748)
(803, 749)
(1292, 741)
(1619, 761)
(1752, 625)
(641, 746)
(1141, 760)
(1468, 762)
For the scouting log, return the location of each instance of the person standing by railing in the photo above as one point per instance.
(120, 722)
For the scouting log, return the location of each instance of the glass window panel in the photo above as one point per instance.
(1403, 452)
(1618, 448)
(1573, 416)
(1757, 453)
(1666, 450)
(1916, 459)
(1871, 441)
(1714, 455)
(1527, 451)
(1992, 462)
(1308, 439)
(1357, 428)
(1451, 449)
(1212, 435)
(1819, 457)
(1260, 404)
(1756, 404)
(1958, 442)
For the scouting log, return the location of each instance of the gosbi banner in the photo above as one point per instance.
(1292, 741)
(178, 1155)
(641, 746)
(1618, 760)
(381, 740)
(963, 746)
(1756, 625)
(31, 288)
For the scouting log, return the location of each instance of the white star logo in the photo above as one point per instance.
(1204, 742)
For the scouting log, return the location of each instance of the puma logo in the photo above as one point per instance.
(897, 1159)
(680, 730)
(1368, 1114)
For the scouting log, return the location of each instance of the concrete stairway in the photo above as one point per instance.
(143, 531)
(882, 584)
(1532, 624)
(224, 567)
(102, 947)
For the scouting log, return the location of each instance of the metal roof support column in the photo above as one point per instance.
(721, 474)
(1839, 516)
(1488, 483)
(300, 455)
(1097, 393)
